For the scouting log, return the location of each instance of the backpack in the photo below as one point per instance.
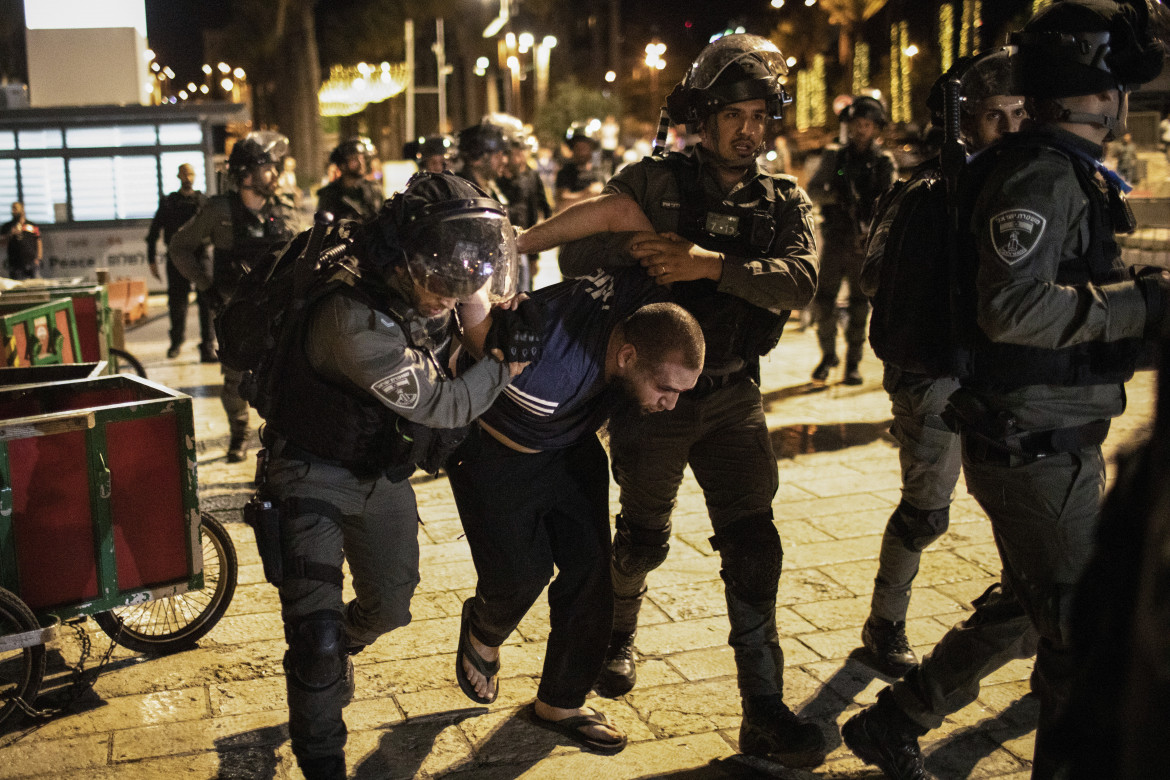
(910, 263)
(268, 311)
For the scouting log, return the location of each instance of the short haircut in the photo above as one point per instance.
(665, 331)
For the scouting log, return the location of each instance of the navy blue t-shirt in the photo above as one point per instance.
(564, 395)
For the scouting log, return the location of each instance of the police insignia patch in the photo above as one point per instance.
(1014, 233)
(399, 389)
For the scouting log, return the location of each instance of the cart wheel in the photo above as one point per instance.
(22, 668)
(123, 361)
(175, 623)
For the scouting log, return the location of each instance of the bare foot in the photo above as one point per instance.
(485, 687)
(549, 712)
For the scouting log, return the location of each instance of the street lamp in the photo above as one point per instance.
(655, 63)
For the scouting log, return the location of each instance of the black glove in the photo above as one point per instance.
(518, 333)
(1156, 290)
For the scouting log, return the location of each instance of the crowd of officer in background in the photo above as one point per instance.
(1050, 326)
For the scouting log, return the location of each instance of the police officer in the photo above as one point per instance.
(1055, 324)
(173, 212)
(351, 195)
(736, 246)
(372, 375)
(847, 183)
(578, 177)
(241, 225)
(927, 448)
(522, 186)
(434, 153)
(483, 151)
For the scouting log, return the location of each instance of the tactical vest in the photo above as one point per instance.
(999, 366)
(253, 236)
(338, 421)
(731, 326)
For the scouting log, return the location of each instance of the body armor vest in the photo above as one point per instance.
(1000, 366)
(731, 326)
(337, 421)
(253, 235)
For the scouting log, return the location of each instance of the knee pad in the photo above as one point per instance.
(316, 651)
(917, 528)
(639, 551)
(752, 557)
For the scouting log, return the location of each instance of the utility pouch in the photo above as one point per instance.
(965, 411)
(264, 518)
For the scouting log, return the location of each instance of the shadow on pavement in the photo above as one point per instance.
(838, 692)
(250, 755)
(962, 750)
(405, 747)
(792, 440)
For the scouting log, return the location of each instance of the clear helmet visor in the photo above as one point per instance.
(457, 255)
(271, 143)
(750, 52)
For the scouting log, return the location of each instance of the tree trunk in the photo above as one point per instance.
(296, 110)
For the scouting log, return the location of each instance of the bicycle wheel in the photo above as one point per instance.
(123, 360)
(22, 668)
(175, 623)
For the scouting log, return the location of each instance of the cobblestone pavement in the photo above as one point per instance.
(219, 710)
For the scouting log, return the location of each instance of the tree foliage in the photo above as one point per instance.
(570, 102)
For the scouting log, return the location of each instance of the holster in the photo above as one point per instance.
(264, 518)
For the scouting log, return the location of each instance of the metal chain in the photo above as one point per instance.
(79, 685)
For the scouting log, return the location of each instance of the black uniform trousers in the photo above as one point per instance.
(841, 260)
(524, 514)
(178, 294)
(723, 436)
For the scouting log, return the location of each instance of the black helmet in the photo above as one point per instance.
(450, 236)
(982, 76)
(511, 126)
(865, 107)
(359, 145)
(265, 147)
(584, 131)
(481, 139)
(733, 69)
(434, 145)
(1082, 47)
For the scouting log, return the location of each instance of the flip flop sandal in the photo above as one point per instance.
(488, 669)
(574, 727)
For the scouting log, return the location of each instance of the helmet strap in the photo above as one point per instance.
(663, 129)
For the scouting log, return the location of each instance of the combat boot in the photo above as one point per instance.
(238, 447)
(620, 671)
(852, 373)
(821, 372)
(886, 642)
(769, 728)
(323, 768)
(207, 353)
(875, 736)
(173, 352)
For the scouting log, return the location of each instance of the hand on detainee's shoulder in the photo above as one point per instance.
(517, 331)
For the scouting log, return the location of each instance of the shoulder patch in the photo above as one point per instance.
(399, 389)
(1015, 233)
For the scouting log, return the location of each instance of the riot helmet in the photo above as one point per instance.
(482, 139)
(264, 147)
(589, 131)
(425, 149)
(733, 69)
(449, 236)
(358, 146)
(865, 107)
(981, 77)
(512, 127)
(1082, 47)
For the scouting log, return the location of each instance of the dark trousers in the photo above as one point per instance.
(1043, 514)
(840, 261)
(178, 290)
(724, 438)
(523, 515)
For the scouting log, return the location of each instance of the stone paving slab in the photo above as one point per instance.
(218, 711)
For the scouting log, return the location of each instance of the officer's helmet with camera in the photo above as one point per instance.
(449, 236)
(1085, 47)
(358, 146)
(255, 150)
(733, 69)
